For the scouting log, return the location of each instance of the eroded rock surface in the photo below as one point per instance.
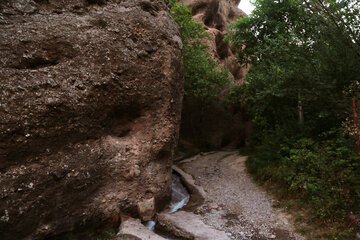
(132, 229)
(90, 99)
(215, 125)
(216, 15)
(189, 226)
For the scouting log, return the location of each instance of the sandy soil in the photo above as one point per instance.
(235, 204)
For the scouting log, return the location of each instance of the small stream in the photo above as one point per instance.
(179, 198)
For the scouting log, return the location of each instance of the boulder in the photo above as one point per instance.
(90, 102)
(132, 229)
(187, 225)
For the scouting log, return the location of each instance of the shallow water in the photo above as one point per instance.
(179, 198)
(150, 225)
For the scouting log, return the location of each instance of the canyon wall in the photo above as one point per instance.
(218, 124)
(216, 15)
(90, 101)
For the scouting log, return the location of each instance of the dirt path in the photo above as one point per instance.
(235, 204)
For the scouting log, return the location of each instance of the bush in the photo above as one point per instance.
(321, 174)
(305, 57)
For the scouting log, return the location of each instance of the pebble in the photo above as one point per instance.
(246, 211)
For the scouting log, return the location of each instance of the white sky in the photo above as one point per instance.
(246, 6)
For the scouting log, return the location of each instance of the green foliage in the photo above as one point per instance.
(204, 78)
(303, 55)
(189, 29)
(320, 172)
(322, 175)
(294, 58)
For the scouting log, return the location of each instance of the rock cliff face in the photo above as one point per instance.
(217, 125)
(216, 15)
(90, 99)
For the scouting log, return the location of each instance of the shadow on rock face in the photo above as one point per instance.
(216, 124)
(28, 55)
(89, 115)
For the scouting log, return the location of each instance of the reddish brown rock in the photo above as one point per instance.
(216, 15)
(90, 99)
(216, 124)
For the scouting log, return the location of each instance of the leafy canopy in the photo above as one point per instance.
(298, 56)
(305, 58)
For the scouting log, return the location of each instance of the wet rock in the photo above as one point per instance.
(189, 226)
(179, 195)
(132, 229)
(77, 101)
(197, 193)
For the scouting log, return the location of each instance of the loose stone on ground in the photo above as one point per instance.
(234, 203)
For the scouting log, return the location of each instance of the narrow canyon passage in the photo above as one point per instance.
(234, 203)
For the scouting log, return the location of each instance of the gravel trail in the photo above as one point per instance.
(235, 204)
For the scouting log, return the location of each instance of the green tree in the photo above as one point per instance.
(299, 59)
(204, 78)
(304, 55)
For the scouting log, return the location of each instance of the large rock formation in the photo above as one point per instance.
(216, 125)
(216, 15)
(90, 99)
